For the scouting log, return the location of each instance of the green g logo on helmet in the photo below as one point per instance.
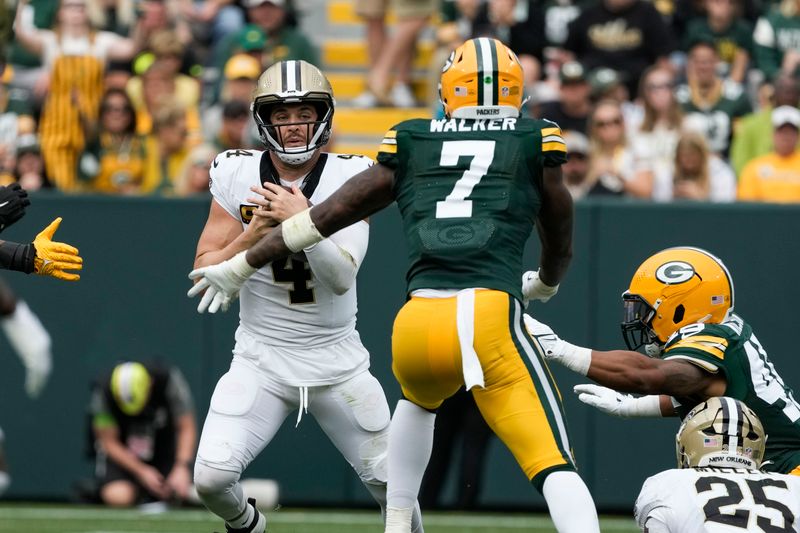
(130, 386)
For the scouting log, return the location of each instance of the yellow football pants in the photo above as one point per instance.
(521, 405)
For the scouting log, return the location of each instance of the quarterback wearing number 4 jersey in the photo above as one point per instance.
(469, 189)
(718, 487)
(296, 348)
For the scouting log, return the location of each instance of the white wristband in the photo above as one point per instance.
(299, 231)
(575, 358)
(240, 267)
(646, 406)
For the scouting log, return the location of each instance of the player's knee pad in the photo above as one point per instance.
(233, 398)
(235, 393)
(365, 397)
(373, 453)
(210, 481)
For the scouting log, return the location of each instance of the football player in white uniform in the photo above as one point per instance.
(718, 486)
(297, 348)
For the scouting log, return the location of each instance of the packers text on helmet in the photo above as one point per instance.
(482, 78)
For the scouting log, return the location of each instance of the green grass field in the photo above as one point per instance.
(32, 518)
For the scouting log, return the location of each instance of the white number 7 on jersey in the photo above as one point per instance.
(455, 204)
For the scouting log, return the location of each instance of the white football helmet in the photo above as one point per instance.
(292, 82)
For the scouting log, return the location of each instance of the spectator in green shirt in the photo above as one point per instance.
(273, 31)
(777, 40)
(728, 31)
(753, 137)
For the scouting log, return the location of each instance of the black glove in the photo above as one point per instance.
(13, 201)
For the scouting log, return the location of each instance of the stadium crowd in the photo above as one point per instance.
(662, 100)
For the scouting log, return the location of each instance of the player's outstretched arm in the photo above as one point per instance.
(43, 256)
(362, 195)
(624, 405)
(624, 370)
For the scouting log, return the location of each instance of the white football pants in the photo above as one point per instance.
(248, 407)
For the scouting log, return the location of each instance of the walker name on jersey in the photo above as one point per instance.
(451, 125)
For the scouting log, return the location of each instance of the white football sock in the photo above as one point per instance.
(410, 444)
(570, 503)
(378, 492)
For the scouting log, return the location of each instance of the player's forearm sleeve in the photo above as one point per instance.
(15, 256)
(335, 261)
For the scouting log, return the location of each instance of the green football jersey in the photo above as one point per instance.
(715, 120)
(469, 191)
(732, 349)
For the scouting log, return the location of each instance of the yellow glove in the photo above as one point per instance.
(53, 258)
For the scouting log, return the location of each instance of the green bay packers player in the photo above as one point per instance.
(297, 347)
(718, 485)
(470, 188)
(680, 307)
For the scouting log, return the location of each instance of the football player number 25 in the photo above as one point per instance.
(455, 204)
(734, 493)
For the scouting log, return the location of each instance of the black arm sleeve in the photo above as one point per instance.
(15, 256)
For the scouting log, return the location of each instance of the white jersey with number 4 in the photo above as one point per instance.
(719, 500)
(283, 305)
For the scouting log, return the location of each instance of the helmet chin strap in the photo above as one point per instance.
(295, 159)
(653, 349)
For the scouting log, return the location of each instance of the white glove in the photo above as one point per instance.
(30, 340)
(534, 289)
(573, 357)
(618, 404)
(221, 282)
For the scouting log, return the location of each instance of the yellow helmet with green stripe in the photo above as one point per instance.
(482, 78)
(130, 386)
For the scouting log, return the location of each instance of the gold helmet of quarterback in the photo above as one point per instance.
(482, 78)
(721, 432)
(674, 288)
(293, 82)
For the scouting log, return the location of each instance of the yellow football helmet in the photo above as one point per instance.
(130, 386)
(674, 288)
(293, 82)
(721, 432)
(482, 78)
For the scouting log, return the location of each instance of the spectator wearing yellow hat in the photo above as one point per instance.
(240, 76)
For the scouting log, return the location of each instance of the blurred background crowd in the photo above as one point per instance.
(660, 100)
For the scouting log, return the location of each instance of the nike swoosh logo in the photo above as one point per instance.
(4, 203)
